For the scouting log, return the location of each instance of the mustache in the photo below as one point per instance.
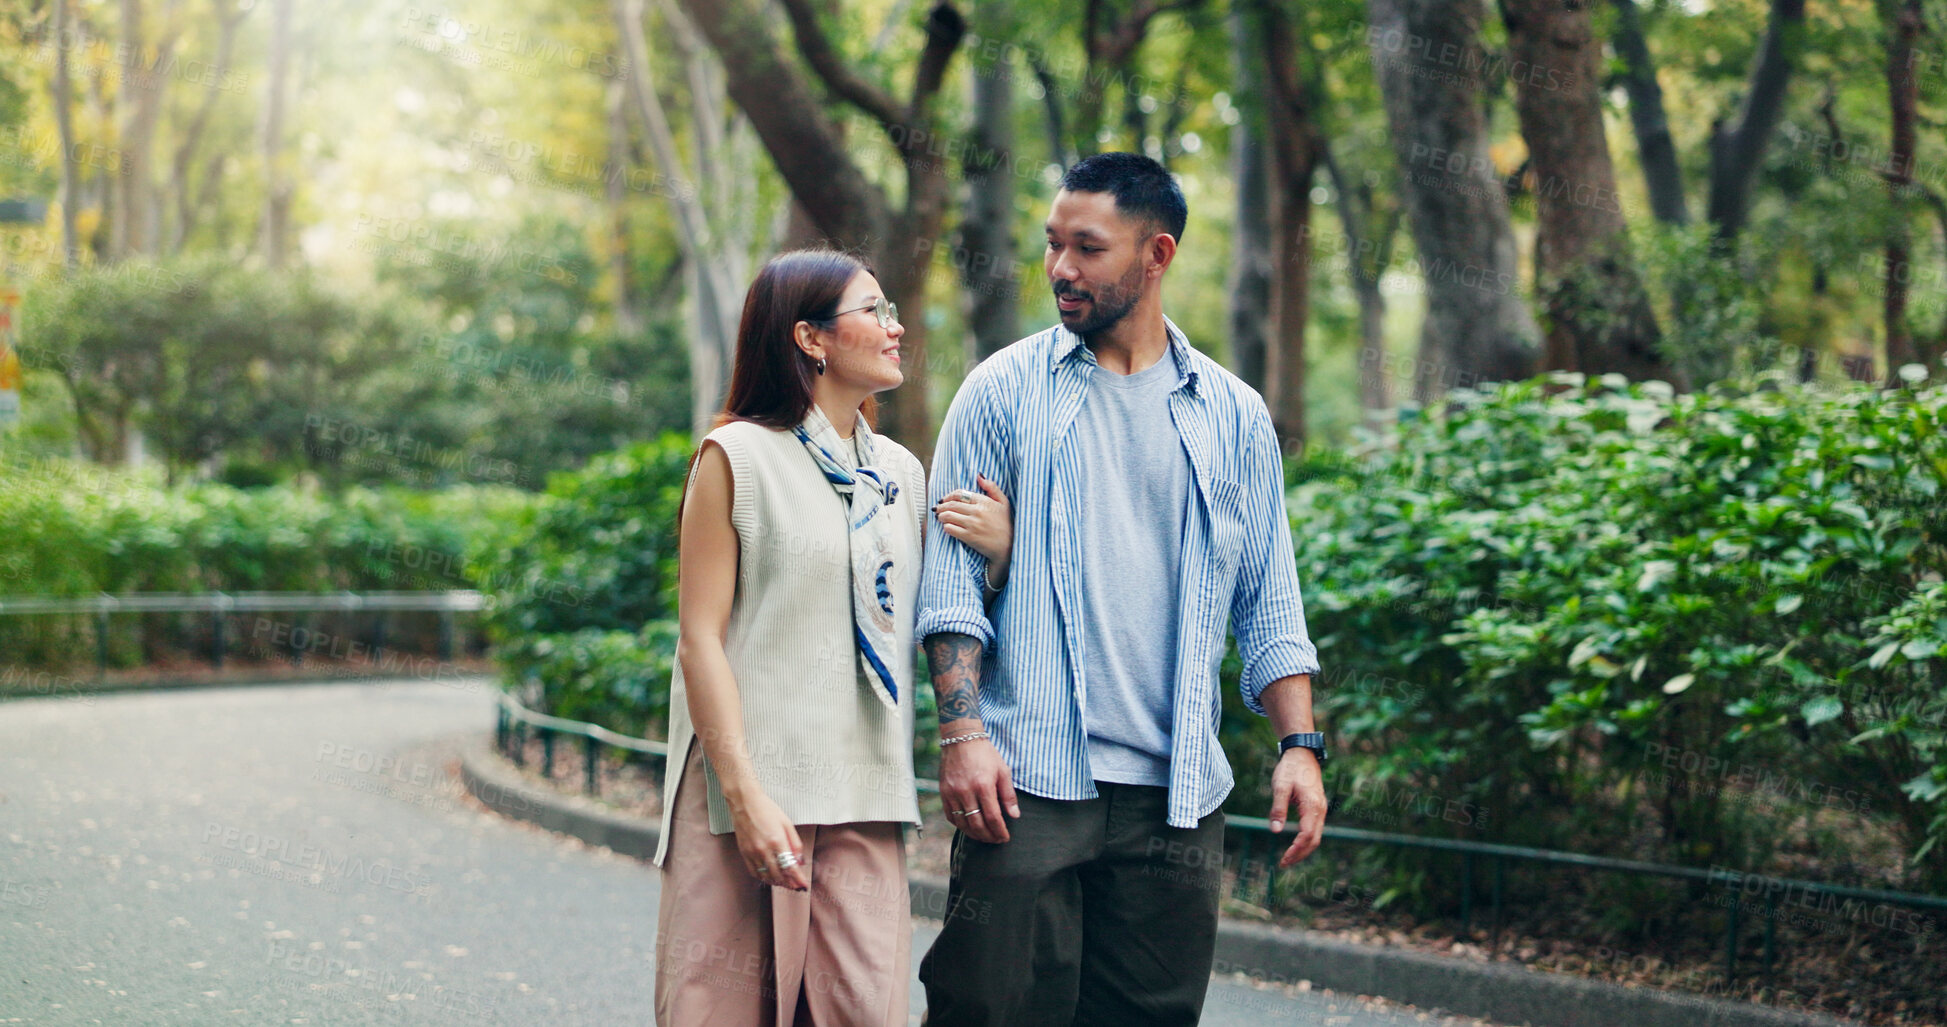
(1065, 289)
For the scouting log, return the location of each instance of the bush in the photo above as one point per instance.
(585, 588)
(1584, 605)
(75, 529)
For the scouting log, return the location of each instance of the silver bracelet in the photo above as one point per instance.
(968, 737)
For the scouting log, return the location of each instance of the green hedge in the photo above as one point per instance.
(1692, 628)
(585, 589)
(70, 528)
(1585, 615)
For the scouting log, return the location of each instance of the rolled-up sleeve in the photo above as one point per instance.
(973, 441)
(1267, 613)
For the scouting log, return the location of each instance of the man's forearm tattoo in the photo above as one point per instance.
(955, 662)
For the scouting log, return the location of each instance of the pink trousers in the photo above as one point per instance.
(731, 950)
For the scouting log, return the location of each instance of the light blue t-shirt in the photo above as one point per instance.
(1134, 490)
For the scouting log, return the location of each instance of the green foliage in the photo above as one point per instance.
(521, 380)
(618, 679)
(1582, 605)
(585, 586)
(73, 529)
(255, 376)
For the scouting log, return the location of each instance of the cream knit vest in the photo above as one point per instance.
(823, 747)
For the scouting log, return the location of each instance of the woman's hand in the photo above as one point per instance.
(763, 831)
(984, 522)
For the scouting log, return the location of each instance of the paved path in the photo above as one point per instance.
(299, 855)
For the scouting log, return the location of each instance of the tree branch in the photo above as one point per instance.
(796, 130)
(824, 60)
(945, 28)
(1051, 103)
(1737, 150)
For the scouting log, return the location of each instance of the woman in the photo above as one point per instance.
(791, 708)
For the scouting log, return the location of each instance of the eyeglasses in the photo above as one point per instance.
(887, 313)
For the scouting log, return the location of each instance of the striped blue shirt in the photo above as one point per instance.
(1009, 423)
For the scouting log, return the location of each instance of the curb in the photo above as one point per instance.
(85, 690)
(1505, 992)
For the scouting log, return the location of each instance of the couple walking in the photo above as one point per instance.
(1104, 500)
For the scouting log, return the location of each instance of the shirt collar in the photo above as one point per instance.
(1068, 345)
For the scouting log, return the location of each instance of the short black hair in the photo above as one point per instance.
(1143, 189)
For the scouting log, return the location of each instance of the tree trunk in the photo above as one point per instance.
(229, 18)
(1477, 328)
(712, 252)
(1354, 206)
(1295, 143)
(1903, 24)
(1250, 234)
(989, 266)
(628, 318)
(1599, 314)
(278, 188)
(1737, 150)
(846, 207)
(1654, 148)
(63, 91)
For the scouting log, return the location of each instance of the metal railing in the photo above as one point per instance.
(220, 605)
(513, 719)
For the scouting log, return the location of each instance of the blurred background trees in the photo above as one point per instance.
(1604, 339)
(1388, 198)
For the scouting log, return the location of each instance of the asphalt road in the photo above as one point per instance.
(298, 855)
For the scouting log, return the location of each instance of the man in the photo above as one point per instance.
(1079, 756)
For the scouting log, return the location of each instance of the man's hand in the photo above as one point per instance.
(973, 777)
(1298, 779)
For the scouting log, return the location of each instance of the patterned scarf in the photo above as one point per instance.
(867, 493)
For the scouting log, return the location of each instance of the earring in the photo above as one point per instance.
(820, 365)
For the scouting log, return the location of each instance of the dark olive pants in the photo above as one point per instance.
(1093, 912)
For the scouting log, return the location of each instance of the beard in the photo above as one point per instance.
(1109, 304)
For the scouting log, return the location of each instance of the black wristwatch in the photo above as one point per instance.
(1313, 740)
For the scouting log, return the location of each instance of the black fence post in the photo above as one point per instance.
(547, 751)
(1770, 920)
(589, 752)
(1500, 881)
(101, 642)
(1730, 941)
(300, 622)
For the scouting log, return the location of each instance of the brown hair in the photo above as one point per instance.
(770, 380)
